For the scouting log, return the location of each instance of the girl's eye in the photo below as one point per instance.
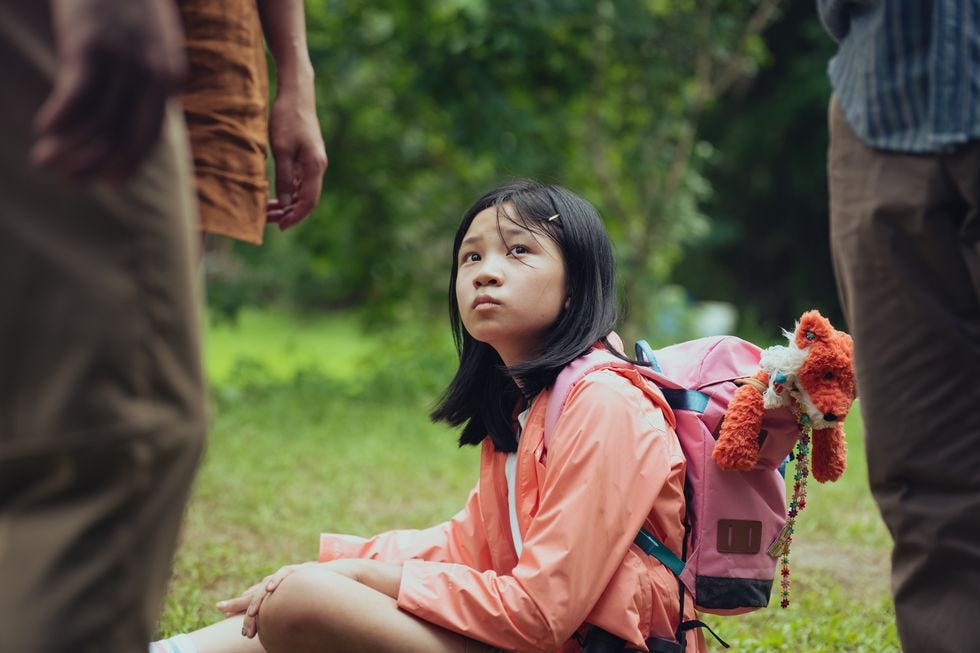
(470, 257)
(519, 249)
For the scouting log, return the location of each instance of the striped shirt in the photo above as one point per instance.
(907, 72)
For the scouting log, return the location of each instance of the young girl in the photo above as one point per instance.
(544, 546)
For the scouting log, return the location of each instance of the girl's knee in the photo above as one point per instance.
(298, 614)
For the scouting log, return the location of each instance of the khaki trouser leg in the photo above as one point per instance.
(905, 234)
(101, 393)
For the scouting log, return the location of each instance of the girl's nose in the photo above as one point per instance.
(489, 275)
(485, 280)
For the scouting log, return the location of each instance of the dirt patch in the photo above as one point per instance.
(858, 569)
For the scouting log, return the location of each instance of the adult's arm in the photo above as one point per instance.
(118, 62)
(294, 131)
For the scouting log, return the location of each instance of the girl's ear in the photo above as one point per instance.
(568, 303)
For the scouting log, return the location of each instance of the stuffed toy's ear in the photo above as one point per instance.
(737, 447)
(812, 326)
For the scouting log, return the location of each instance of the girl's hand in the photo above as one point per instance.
(251, 599)
(237, 605)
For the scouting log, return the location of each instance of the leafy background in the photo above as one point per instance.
(696, 127)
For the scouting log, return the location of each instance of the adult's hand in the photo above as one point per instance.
(118, 62)
(300, 156)
(294, 132)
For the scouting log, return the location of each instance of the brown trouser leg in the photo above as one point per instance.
(101, 398)
(905, 233)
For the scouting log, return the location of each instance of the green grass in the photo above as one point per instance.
(289, 461)
(284, 344)
(318, 431)
(317, 426)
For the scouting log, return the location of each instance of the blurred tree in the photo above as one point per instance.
(642, 118)
(426, 105)
(768, 250)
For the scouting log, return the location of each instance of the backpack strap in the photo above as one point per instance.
(656, 549)
(578, 369)
(673, 396)
(677, 399)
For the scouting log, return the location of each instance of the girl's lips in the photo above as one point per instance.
(484, 302)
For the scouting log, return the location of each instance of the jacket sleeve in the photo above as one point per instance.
(460, 540)
(608, 459)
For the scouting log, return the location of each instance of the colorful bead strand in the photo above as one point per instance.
(797, 502)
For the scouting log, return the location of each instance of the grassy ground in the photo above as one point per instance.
(349, 448)
(285, 345)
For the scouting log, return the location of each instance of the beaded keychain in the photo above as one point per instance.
(780, 548)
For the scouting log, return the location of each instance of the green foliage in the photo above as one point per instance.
(264, 349)
(426, 105)
(768, 250)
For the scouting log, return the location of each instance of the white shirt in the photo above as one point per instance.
(510, 470)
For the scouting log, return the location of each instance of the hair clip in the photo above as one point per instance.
(554, 218)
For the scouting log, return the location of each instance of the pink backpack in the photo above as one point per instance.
(732, 517)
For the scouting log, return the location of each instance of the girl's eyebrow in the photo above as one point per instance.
(513, 230)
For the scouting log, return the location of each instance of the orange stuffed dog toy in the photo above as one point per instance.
(814, 376)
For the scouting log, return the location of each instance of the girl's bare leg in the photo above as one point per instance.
(316, 610)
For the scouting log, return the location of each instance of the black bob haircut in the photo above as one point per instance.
(484, 393)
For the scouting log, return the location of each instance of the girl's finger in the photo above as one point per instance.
(233, 606)
(253, 606)
(276, 578)
(250, 625)
(247, 594)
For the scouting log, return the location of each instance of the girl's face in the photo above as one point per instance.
(510, 286)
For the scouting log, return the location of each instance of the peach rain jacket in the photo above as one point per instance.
(613, 465)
